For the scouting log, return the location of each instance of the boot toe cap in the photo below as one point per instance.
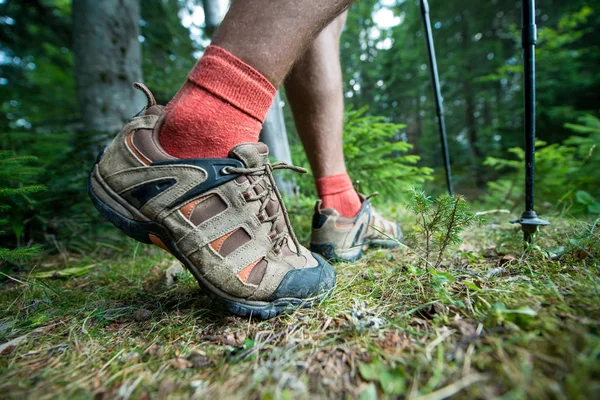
(306, 283)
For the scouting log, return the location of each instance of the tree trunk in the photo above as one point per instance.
(470, 120)
(472, 133)
(212, 15)
(274, 135)
(107, 60)
(413, 128)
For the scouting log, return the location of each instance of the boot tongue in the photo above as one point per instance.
(257, 155)
(251, 154)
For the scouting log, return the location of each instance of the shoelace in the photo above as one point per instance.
(265, 196)
(378, 224)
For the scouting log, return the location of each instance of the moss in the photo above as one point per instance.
(492, 320)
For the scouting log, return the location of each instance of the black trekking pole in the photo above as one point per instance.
(529, 220)
(439, 106)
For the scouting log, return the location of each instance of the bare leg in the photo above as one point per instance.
(225, 100)
(271, 34)
(314, 90)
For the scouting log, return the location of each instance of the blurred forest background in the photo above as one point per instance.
(49, 116)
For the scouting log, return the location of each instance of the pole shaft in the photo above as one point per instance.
(529, 35)
(439, 106)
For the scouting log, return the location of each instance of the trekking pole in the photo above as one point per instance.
(529, 220)
(439, 106)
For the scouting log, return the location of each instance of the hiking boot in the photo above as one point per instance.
(338, 238)
(224, 219)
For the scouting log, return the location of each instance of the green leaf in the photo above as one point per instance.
(370, 372)
(370, 393)
(594, 208)
(393, 381)
(583, 197)
(499, 308)
(471, 285)
(248, 343)
(522, 316)
(525, 310)
(443, 276)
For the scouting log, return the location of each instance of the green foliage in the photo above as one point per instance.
(38, 87)
(297, 207)
(582, 243)
(566, 174)
(438, 225)
(39, 115)
(62, 215)
(16, 187)
(374, 157)
(592, 206)
(522, 316)
(168, 52)
(480, 63)
(384, 68)
(391, 380)
(377, 159)
(19, 254)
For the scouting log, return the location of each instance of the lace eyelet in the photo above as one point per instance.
(261, 217)
(226, 170)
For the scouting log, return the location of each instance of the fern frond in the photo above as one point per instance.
(7, 192)
(19, 254)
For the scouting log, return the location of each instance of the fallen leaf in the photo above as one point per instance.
(199, 360)
(144, 396)
(490, 252)
(430, 311)
(393, 341)
(62, 273)
(465, 328)
(142, 315)
(180, 363)
(154, 350)
(466, 247)
(8, 347)
(494, 272)
(507, 259)
(133, 355)
(580, 255)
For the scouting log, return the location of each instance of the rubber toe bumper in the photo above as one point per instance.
(306, 283)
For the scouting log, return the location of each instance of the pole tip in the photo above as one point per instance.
(529, 224)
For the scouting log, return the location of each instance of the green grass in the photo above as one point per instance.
(493, 321)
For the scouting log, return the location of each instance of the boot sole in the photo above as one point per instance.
(108, 202)
(329, 251)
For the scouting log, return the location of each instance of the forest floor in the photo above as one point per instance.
(494, 320)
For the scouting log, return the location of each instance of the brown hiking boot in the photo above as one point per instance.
(339, 238)
(222, 218)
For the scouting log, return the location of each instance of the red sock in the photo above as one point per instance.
(336, 192)
(223, 103)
